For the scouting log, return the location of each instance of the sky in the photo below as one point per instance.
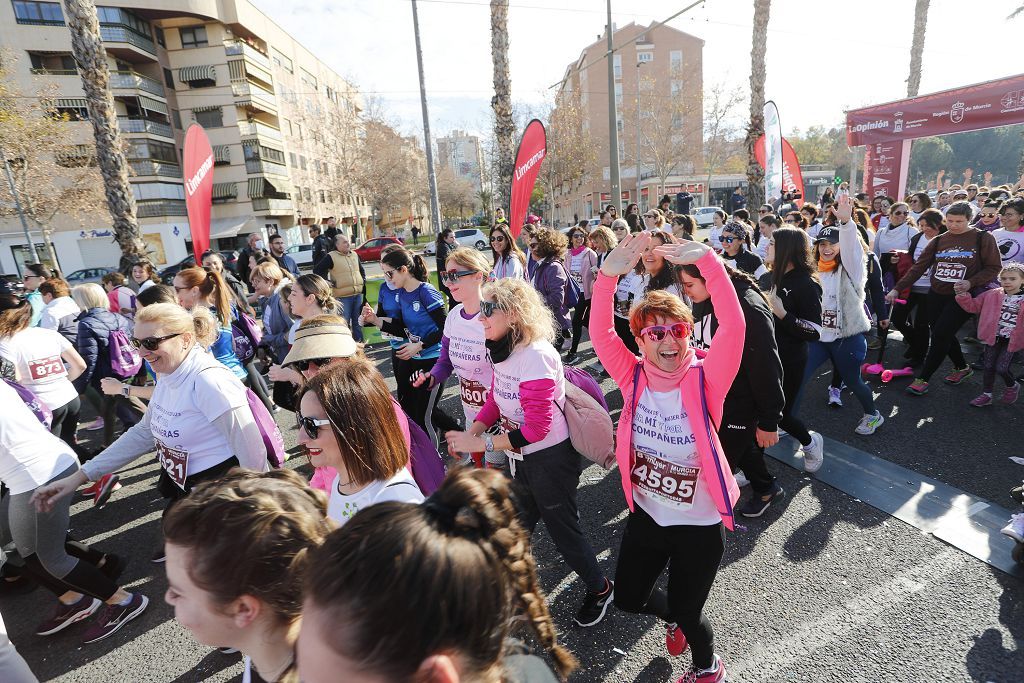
(824, 56)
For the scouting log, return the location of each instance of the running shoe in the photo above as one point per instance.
(595, 606)
(675, 641)
(869, 423)
(741, 479)
(1015, 529)
(758, 503)
(814, 453)
(113, 617)
(571, 357)
(159, 556)
(918, 387)
(1011, 394)
(106, 485)
(65, 615)
(835, 397)
(92, 489)
(713, 675)
(228, 650)
(958, 376)
(982, 401)
(93, 426)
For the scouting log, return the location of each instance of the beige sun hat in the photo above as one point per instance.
(322, 341)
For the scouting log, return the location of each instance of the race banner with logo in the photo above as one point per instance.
(532, 148)
(792, 176)
(773, 152)
(198, 160)
(885, 169)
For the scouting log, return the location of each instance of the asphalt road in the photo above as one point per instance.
(822, 588)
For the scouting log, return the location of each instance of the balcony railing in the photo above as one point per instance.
(239, 47)
(151, 167)
(121, 34)
(43, 71)
(259, 97)
(133, 81)
(128, 125)
(251, 129)
(267, 204)
(160, 207)
(254, 166)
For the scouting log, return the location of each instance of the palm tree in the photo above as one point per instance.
(504, 126)
(755, 127)
(917, 47)
(91, 58)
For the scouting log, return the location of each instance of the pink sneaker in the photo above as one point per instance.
(1011, 394)
(675, 641)
(983, 400)
(713, 675)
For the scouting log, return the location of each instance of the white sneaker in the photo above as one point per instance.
(814, 453)
(1015, 529)
(835, 397)
(869, 423)
(741, 479)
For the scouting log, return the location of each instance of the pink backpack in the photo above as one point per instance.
(586, 413)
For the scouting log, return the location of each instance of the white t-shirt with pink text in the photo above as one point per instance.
(468, 355)
(538, 360)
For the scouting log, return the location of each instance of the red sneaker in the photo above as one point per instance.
(106, 485)
(713, 675)
(675, 641)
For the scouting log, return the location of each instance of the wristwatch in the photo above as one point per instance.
(489, 443)
(126, 390)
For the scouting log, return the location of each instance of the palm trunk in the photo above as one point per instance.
(504, 126)
(91, 58)
(755, 127)
(917, 47)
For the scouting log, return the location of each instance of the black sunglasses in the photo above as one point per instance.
(303, 365)
(311, 425)
(728, 240)
(454, 275)
(487, 308)
(498, 238)
(152, 343)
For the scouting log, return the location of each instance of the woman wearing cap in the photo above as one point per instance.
(268, 279)
(509, 260)
(199, 421)
(581, 263)
(201, 287)
(842, 269)
(528, 387)
(736, 247)
(310, 297)
(678, 486)
(550, 277)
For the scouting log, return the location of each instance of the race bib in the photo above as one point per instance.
(473, 393)
(507, 426)
(41, 368)
(829, 319)
(950, 272)
(622, 307)
(667, 483)
(174, 462)
(578, 277)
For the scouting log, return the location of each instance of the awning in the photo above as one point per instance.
(152, 105)
(72, 102)
(192, 74)
(225, 190)
(228, 227)
(209, 107)
(222, 153)
(264, 187)
(240, 70)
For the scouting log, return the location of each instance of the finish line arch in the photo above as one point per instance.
(886, 130)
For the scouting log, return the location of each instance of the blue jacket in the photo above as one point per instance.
(288, 264)
(94, 328)
(276, 325)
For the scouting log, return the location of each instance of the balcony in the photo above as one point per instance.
(160, 207)
(122, 34)
(250, 94)
(240, 48)
(256, 129)
(42, 71)
(128, 125)
(273, 205)
(158, 168)
(261, 166)
(129, 80)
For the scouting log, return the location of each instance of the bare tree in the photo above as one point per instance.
(571, 153)
(755, 126)
(501, 103)
(723, 145)
(455, 193)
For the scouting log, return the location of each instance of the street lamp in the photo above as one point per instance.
(638, 65)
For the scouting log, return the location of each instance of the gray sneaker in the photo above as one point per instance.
(814, 453)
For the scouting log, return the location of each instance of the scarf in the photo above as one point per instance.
(827, 266)
(499, 349)
(578, 250)
(661, 381)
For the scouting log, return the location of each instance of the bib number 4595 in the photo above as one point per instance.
(668, 485)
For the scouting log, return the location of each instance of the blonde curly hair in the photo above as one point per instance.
(528, 316)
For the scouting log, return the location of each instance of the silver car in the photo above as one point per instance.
(705, 215)
(464, 237)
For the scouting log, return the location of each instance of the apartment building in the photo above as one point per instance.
(659, 102)
(462, 153)
(282, 124)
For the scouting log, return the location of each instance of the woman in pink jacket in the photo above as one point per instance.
(678, 485)
(581, 264)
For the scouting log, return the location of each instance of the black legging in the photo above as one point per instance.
(626, 335)
(580, 317)
(915, 330)
(794, 364)
(415, 402)
(258, 384)
(946, 318)
(65, 421)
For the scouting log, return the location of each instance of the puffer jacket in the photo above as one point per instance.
(94, 329)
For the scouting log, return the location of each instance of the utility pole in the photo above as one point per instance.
(637, 198)
(613, 120)
(435, 205)
(21, 213)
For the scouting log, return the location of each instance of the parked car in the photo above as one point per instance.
(230, 262)
(85, 275)
(370, 249)
(12, 283)
(303, 255)
(464, 237)
(705, 215)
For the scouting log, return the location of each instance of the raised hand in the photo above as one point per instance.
(624, 257)
(682, 253)
(844, 208)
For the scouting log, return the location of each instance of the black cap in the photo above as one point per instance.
(828, 235)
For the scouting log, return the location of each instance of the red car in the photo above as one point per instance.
(370, 249)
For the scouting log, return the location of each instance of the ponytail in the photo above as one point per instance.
(205, 325)
(217, 289)
(399, 258)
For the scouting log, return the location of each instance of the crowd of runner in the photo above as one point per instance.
(712, 344)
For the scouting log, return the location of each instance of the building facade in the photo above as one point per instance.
(659, 105)
(284, 127)
(462, 153)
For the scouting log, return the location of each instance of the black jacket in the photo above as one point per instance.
(756, 393)
(801, 297)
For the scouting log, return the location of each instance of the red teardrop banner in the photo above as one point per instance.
(198, 187)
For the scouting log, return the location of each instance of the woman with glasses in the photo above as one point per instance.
(632, 217)
(1010, 237)
(797, 220)
(718, 219)
(988, 216)
(880, 212)
(896, 235)
(199, 421)
(445, 244)
(630, 288)
(581, 263)
(347, 422)
(200, 287)
(683, 226)
(678, 485)
(736, 249)
(620, 229)
(268, 280)
(509, 260)
(919, 202)
(528, 390)
(654, 220)
(550, 277)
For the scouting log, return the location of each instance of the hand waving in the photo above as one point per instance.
(844, 208)
(682, 253)
(624, 257)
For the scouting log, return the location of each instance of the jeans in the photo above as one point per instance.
(350, 307)
(946, 318)
(692, 554)
(847, 355)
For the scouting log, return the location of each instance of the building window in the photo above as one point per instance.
(283, 62)
(644, 57)
(302, 162)
(72, 109)
(288, 126)
(618, 66)
(298, 131)
(160, 40)
(293, 160)
(176, 119)
(40, 13)
(676, 58)
(323, 198)
(194, 36)
(211, 118)
(168, 78)
(677, 87)
(151, 149)
(308, 79)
